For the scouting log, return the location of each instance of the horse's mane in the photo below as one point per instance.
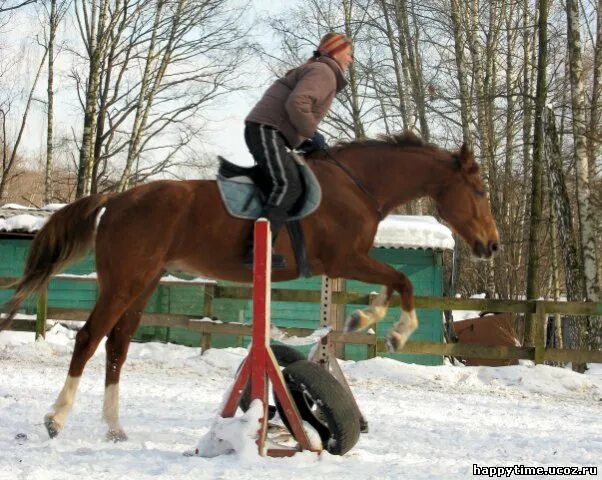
(403, 139)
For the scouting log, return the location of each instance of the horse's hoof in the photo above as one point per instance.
(116, 436)
(52, 427)
(364, 428)
(393, 342)
(353, 321)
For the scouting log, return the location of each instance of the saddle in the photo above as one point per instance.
(244, 199)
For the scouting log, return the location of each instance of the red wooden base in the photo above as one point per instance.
(260, 366)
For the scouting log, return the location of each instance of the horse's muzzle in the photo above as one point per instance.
(485, 251)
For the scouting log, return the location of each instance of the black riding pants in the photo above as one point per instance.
(281, 183)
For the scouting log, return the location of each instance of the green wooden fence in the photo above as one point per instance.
(538, 353)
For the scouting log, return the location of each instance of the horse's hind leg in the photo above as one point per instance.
(114, 299)
(105, 314)
(117, 348)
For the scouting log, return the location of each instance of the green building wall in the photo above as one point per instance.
(423, 267)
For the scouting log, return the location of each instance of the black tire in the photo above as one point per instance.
(285, 356)
(325, 404)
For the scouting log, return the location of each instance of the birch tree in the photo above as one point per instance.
(536, 167)
(585, 212)
(55, 11)
(161, 62)
(93, 29)
(563, 213)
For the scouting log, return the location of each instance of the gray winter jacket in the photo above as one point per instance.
(296, 103)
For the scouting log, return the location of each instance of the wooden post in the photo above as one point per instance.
(208, 297)
(372, 348)
(539, 328)
(205, 342)
(41, 313)
(337, 313)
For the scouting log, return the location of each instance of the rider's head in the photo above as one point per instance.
(337, 46)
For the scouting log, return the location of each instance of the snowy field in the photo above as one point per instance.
(425, 422)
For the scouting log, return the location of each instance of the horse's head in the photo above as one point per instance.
(463, 204)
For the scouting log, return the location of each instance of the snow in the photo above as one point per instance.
(413, 231)
(16, 206)
(22, 223)
(425, 422)
(466, 314)
(237, 434)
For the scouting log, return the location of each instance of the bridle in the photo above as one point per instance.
(360, 185)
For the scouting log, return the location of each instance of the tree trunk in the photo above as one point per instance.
(53, 24)
(596, 130)
(536, 169)
(595, 134)
(573, 269)
(13, 155)
(555, 267)
(585, 212)
(397, 68)
(457, 12)
(591, 333)
(95, 41)
(358, 127)
(146, 95)
(413, 63)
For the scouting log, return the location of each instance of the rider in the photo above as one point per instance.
(285, 118)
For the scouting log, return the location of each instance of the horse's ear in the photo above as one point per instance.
(466, 160)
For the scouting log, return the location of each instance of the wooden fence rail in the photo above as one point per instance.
(537, 353)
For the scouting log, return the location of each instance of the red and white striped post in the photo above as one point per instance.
(260, 364)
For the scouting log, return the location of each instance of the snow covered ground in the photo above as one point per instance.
(425, 422)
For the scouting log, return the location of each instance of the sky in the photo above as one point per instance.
(227, 135)
(224, 133)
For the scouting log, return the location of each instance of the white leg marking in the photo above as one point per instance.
(110, 407)
(362, 319)
(64, 402)
(379, 306)
(110, 413)
(401, 331)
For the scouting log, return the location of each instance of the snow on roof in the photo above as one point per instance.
(18, 218)
(413, 231)
(395, 231)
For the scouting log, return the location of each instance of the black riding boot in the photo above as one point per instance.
(276, 223)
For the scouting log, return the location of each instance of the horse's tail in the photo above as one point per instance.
(68, 235)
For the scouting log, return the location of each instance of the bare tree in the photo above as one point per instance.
(586, 214)
(537, 166)
(10, 150)
(573, 267)
(9, 6)
(160, 64)
(55, 11)
(354, 110)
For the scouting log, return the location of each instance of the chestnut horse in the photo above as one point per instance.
(183, 225)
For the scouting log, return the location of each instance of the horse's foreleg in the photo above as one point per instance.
(103, 317)
(401, 331)
(117, 347)
(363, 319)
(366, 269)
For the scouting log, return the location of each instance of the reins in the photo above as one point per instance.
(359, 184)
